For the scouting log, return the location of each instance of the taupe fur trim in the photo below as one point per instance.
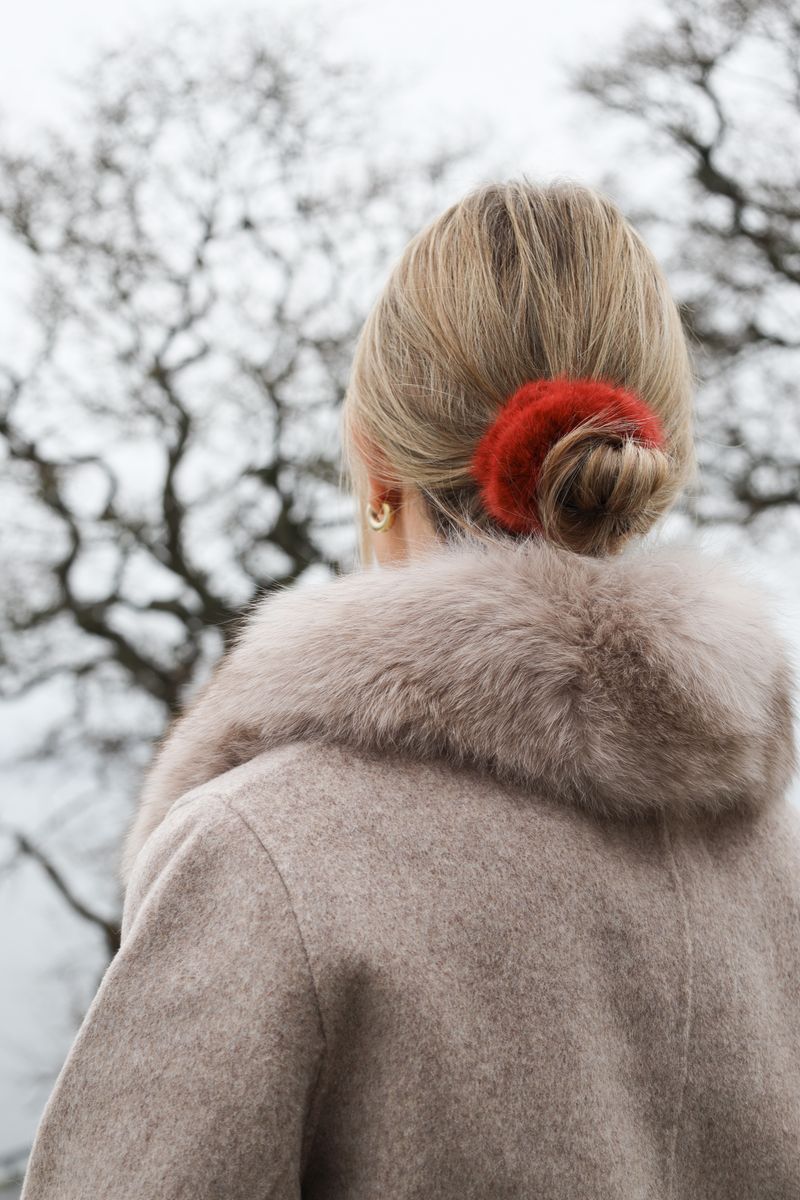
(651, 679)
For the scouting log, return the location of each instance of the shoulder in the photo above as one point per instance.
(295, 795)
(289, 809)
(203, 854)
(307, 800)
(338, 822)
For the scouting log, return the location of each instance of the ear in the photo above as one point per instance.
(379, 491)
(381, 479)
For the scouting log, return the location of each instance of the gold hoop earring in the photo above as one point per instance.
(383, 520)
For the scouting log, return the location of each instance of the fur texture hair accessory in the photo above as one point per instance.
(508, 459)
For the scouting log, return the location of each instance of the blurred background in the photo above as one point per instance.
(197, 207)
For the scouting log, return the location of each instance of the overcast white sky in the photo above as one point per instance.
(466, 62)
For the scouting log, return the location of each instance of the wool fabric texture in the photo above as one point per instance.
(473, 877)
(508, 459)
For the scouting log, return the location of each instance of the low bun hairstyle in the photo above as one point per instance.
(519, 283)
(598, 489)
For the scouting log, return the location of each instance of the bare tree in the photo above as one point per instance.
(189, 265)
(710, 91)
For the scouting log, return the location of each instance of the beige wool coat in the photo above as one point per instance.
(472, 877)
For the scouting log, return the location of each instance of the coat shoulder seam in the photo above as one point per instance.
(306, 955)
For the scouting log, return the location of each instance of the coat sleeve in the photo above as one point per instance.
(194, 1070)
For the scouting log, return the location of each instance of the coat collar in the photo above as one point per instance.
(651, 680)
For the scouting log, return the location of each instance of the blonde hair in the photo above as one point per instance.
(518, 282)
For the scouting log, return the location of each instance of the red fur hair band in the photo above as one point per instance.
(508, 459)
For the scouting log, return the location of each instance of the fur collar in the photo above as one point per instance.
(650, 680)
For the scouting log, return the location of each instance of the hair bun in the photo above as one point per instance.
(508, 459)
